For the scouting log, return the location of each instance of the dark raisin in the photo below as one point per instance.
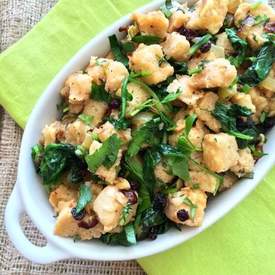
(123, 29)
(152, 234)
(244, 123)
(206, 47)
(188, 33)
(270, 27)
(267, 124)
(182, 215)
(114, 104)
(89, 224)
(78, 216)
(159, 202)
(134, 185)
(131, 195)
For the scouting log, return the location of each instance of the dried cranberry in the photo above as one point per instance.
(114, 104)
(78, 216)
(131, 195)
(123, 29)
(182, 215)
(270, 27)
(188, 33)
(152, 234)
(206, 47)
(159, 202)
(88, 225)
(134, 185)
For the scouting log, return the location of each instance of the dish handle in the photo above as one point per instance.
(36, 254)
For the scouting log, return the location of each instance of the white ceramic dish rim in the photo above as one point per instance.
(23, 200)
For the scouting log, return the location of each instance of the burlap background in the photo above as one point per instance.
(16, 18)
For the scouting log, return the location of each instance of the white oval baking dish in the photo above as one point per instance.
(29, 196)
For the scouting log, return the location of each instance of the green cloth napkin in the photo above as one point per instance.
(243, 242)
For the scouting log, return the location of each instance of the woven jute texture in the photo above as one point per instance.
(16, 18)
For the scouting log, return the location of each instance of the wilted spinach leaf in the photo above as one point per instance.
(260, 67)
(126, 237)
(119, 124)
(147, 220)
(57, 158)
(99, 93)
(228, 114)
(239, 45)
(85, 196)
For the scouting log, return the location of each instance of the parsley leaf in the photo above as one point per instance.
(147, 134)
(260, 68)
(146, 39)
(106, 155)
(239, 45)
(116, 49)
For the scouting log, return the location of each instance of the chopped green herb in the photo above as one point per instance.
(116, 49)
(56, 158)
(171, 97)
(239, 45)
(119, 124)
(245, 89)
(146, 39)
(106, 155)
(192, 207)
(197, 45)
(227, 115)
(85, 196)
(139, 74)
(124, 97)
(180, 67)
(128, 47)
(166, 8)
(80, 151)
(261, 19)
(259, 69)
(144, 105)
(263, 117)
(126, 210)
(37, 156)
(147, 134)
(256, 152)
(99, 93)
(87, 119)
(126, 237)
(179, 167)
